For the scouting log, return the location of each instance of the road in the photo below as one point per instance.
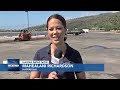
(94, 47)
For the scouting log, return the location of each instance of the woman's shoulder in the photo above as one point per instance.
(73, 55)
(72, 50)
(44, 49)
(42, 53)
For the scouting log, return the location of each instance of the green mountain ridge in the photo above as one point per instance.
(108, 21)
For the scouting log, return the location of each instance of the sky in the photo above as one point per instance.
(19, 20)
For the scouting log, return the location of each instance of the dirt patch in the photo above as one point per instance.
(91, 75)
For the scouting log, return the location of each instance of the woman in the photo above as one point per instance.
(56, 27)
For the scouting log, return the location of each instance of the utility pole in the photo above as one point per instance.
(27, 19)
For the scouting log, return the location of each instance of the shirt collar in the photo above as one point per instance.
(67, 50)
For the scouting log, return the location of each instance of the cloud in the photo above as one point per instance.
(68, 17)
(114, 11)
(89, 13)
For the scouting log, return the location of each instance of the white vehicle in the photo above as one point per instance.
(86, 30)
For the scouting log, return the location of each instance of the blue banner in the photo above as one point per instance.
(53, 67)
(3, 67)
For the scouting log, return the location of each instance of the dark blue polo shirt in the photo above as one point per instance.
(71, 55)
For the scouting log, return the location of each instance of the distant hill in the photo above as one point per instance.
(108, 21)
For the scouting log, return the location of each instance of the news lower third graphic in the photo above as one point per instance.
(45, 66)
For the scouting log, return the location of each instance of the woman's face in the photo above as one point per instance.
(56, 31)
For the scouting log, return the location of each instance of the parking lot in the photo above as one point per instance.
(94, 47)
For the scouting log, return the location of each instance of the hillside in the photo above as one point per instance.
(108, 21)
